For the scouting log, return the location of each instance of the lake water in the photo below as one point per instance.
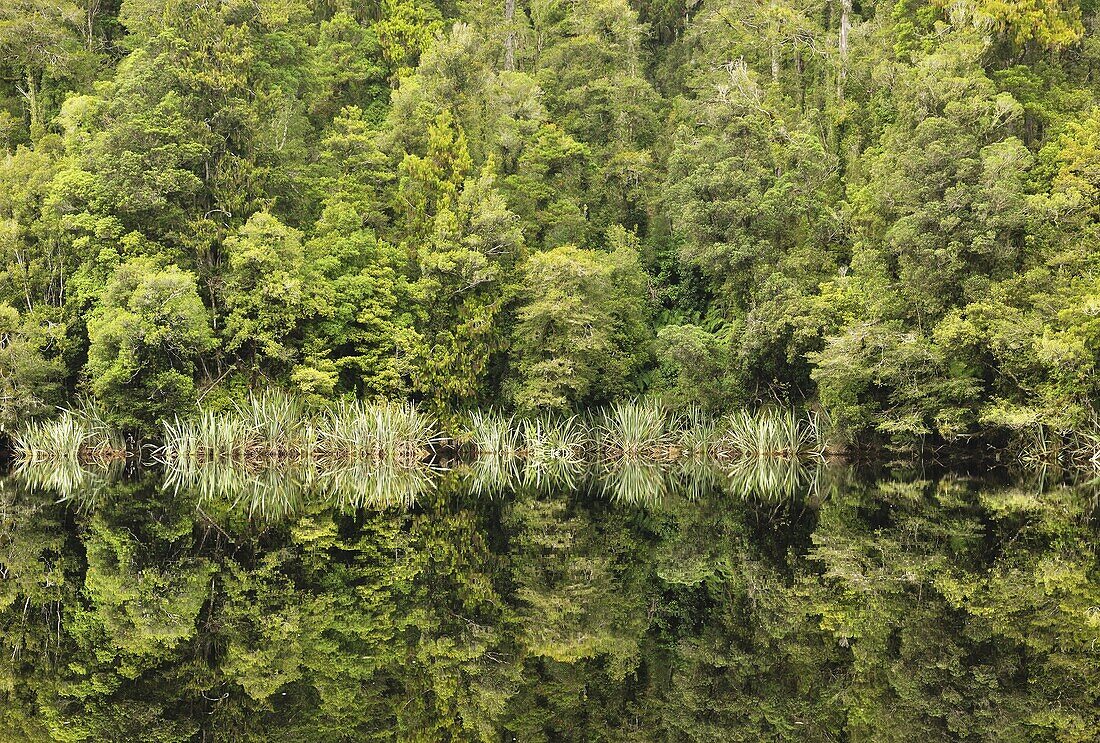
(496, 602)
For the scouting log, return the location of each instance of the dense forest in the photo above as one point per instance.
(886, 211)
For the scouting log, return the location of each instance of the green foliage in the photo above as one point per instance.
(28, 380)
(692, 368)
(144, 336)
(888, 213)
(268, 291)
(581, 335)
(776, 603)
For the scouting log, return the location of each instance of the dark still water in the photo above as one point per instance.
(498, 603)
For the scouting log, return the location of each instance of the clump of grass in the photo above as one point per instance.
(274, 426)
(270, 424)
(1087, 450)
(769, 432)
(547, 438)
(493, 434)
(81, 435)
(637, 429)
(277, 422)
(1076, 450)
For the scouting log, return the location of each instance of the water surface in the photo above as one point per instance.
(499, 602)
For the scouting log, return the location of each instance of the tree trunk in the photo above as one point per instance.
(89, 24)
(845, 27)
(31, 94)
(773, 42)
(510, 40)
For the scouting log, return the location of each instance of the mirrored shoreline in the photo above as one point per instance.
(498, 600)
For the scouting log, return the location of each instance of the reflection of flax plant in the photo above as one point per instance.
(81, 435)
(492, 474)
(263, 491)
(279, 489)
(699, 477)
(634, 482)
(544, 475)
(83, 484)
(375, 485)
(770, 479)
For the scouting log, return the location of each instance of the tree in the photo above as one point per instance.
(580, 336)
(28, 379)
(463, 241)
(269, 292)
(365, 324)
(145, 335)
(41, 45)
(348, 69)
(692, 368)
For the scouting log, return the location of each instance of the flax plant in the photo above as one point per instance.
(273, 426)
(493, 434)
(81, 435)
(387, 430)
(769, 432)
(636, 429)
(546, 438)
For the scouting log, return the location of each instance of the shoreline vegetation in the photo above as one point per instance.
(275, 428)
(278, 488)
(887, 214)
(80, 435)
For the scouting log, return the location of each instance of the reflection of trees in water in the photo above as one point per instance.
(951, 595)
(896, 609)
